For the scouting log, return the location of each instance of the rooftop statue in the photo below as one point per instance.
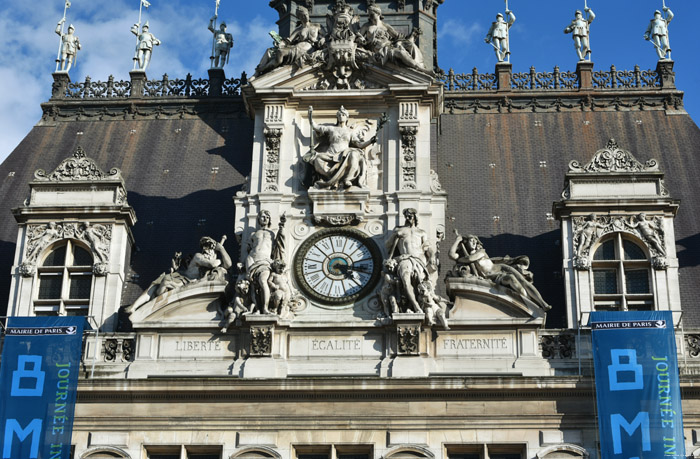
(580, 30)
(339, 161)
(512, 273)
(295, 50)
(387, 44)
(657, 33)
(498, 35)
(144, 46)
(70, 44)
(223, 42)
(209, 265)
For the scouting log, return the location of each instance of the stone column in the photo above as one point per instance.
(504, 71)
(584, 70)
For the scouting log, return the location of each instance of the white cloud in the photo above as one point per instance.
(30, 45)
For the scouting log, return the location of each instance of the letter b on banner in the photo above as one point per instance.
(33, 375)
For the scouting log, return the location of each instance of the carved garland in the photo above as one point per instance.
(408, 163)
(588, 230)
(272, 158)
(96, 236)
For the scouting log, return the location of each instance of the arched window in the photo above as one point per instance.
(64, 281)
(622, 276)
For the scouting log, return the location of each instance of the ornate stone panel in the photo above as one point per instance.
(408, 157)
(272, 158)
(97, 236)
(260, 341)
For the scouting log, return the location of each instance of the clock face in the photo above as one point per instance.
(337, 266)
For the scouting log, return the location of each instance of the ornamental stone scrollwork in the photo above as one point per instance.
(408, 156)
(408, 339)
(118, 349)
(210, 265)
(559, 346)
(613, 159)
(693, 343)
(410, 274)
(589, 229)
(435, 185)
(472, 262)
(79, 167)
(260, 341)
(338, 220)
(272, 157)
(96, 236)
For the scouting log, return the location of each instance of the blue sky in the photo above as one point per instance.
(29, 43)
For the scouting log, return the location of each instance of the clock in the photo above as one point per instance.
(337, 266)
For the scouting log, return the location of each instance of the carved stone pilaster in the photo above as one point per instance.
(61, 80)
(138, 83)
(261, 341)
(408, 339)
(272, 158)
(408, 157)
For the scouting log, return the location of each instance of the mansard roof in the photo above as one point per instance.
(502, 157)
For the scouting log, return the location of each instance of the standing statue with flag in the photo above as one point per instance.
(223, 41)
(69, 45)
(657, 32)
(145, 41)
(498, 35)
(580, 30)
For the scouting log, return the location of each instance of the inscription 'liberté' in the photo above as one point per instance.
(197, 345)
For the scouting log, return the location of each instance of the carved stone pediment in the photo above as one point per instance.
(196, 306)
(612, 158)
(478, 301)
(313, 78)
(78, 168)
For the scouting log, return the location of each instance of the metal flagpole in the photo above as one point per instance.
(60, 41)
(668, 35)
(588, 26)
(213, 43)
(507, 35)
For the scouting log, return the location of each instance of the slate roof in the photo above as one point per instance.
(181, 175)
(502, 172)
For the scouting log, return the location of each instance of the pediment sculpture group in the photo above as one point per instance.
(410, 274)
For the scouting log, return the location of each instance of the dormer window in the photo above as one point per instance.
(64, 281)
(621, 276)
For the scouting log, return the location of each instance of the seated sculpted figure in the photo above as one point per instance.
(203, 266)
(388, 45)
(339, 161)
(472, 261)
(296, 48)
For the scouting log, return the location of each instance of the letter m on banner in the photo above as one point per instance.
(637, 387)
(38, 382)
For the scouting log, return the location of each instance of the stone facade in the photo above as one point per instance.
(334, 321)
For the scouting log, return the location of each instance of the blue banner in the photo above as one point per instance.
(38, 382)
(636, 376)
